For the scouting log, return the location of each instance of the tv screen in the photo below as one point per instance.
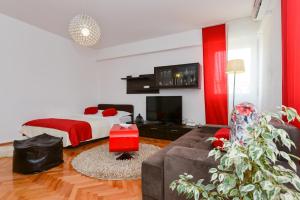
(166, 109)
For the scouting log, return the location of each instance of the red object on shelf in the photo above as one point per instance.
(123, 139)
(290, 12)
(215, 79)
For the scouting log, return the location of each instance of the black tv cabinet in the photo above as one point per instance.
(163, 131)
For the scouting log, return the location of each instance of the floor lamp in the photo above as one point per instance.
(235, 67)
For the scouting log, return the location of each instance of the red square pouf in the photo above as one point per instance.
(123, 139)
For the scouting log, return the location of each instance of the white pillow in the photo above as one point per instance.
(125, 119)
(123, 113)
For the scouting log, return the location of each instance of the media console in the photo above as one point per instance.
(163, 131)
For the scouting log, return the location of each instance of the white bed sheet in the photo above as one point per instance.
(100, 127)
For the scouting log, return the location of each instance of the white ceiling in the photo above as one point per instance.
(124, 21)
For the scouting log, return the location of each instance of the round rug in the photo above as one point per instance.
(6, 151)
(99, 163)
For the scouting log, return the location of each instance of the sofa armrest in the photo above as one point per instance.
(179, 160)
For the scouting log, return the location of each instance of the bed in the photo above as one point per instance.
(91, 127)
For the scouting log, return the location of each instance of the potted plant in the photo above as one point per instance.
(249, 170)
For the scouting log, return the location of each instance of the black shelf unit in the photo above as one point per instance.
(163, 131)
(178, 76)
(143, 84)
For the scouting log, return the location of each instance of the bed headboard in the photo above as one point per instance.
(122, 107)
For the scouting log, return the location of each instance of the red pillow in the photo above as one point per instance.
(109, 112)
(222, 133)
(91, 111)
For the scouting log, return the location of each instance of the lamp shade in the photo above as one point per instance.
(84, 30)
(235, 66)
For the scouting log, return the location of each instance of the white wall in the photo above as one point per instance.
(271, 58)
(259, 44)
(113, 89)
(40, 73)
(242, 43)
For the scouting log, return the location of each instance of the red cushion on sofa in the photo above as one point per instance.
(217, 143)
(91, 111)
(109, 112)
(222, 133)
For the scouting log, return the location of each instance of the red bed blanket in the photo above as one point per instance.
(78, 130)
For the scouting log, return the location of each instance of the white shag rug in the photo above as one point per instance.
(6, 151)
(99, 163)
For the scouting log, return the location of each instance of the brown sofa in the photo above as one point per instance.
(186, 154)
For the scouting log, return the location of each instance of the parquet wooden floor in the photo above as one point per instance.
(63, 182)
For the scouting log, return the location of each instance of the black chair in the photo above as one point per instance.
(37, 154)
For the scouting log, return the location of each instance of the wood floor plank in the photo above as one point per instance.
(64, 183)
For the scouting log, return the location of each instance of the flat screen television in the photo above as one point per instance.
(165, 109)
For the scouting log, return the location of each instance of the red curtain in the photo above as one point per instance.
(291, 53)
(215, 79)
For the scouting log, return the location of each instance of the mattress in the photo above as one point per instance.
(100, 127)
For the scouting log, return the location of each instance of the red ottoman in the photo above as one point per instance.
(124, 140)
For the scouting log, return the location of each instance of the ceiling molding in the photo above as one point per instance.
(170, 42)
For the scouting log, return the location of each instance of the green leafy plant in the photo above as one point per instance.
(250, 170)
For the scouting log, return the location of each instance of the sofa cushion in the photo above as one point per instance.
(211, 130)
(181, 160)
(206, 145)
(185, 142)
(294, 134)
(195, 138)
(152, 180)
(153, 167)
(158, 158)
(196, 135)
(153, 174)
(202, 132)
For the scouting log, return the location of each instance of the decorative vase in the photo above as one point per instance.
(243, 116)
(139, 119)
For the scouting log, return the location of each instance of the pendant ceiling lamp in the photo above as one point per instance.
(84, 30)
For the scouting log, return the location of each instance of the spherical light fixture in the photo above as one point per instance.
(84, 30)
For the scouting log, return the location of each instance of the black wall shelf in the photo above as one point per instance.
(143, 84)
(165, 77)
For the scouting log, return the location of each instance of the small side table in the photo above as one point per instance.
(124, 140)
